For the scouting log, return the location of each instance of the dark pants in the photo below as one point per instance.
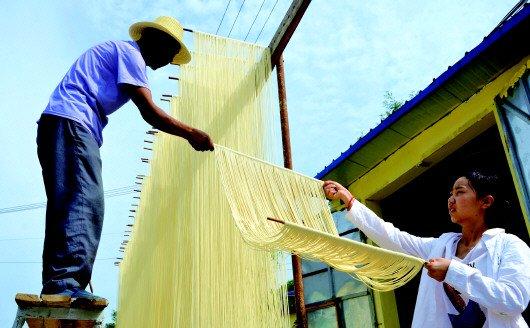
(71, 168)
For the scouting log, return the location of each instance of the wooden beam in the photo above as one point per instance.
(286, 29)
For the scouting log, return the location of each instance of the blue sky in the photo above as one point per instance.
(342, 59)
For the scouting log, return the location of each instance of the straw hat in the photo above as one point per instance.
(170, 26)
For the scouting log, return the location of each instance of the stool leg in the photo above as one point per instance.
(19, 320)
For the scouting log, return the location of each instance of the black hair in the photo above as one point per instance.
(485, 183)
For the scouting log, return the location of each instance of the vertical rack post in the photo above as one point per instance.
(301, 316)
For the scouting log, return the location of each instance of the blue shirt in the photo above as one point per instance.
(90, 90)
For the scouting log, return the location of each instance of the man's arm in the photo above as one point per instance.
(155, 116)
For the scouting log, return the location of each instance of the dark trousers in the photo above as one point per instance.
(71, 168)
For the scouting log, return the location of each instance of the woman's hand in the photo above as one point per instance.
(437, 268)
(335, 191)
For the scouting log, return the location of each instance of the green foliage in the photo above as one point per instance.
(290, 285)
(390, 104)
(290, 299)
(113, 323)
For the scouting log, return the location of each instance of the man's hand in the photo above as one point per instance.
(159, 119)
(200, 141)
(335, 191)
(437, 268)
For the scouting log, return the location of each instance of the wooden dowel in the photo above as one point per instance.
(276, 220)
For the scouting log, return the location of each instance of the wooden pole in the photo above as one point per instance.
(286, 29)
(301, 317)
(276, 220)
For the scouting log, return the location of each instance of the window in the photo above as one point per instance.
(334, 298)
(324, 318)
(514, 112)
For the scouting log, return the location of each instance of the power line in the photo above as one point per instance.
(251, 25)
(235, 20)
(266, 21)
(42, 238)
(40, 262)
(228, 4)
(26, 207)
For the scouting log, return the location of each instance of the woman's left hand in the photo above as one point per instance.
(437, 268)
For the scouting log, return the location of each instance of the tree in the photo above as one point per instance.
(390, 103)
(113, 323)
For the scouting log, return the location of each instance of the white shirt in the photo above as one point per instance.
(90, 90)
(476, 258)
(501, 284)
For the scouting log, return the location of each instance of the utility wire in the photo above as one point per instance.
(25, 262)
(266, 21)
(228, 4)
(26, 207)
(235, 20)
(251, 25)
(42, 238)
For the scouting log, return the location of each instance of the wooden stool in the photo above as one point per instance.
(55, 311)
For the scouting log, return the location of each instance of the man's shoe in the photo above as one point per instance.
(61, 299)
(82, 298)
(81, 293)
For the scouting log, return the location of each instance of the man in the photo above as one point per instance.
(69, 136)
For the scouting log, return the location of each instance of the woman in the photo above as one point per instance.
(477, 278)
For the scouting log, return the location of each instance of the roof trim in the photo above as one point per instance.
(434, 86)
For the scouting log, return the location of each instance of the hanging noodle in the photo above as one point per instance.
(186, 264)
(257, 190)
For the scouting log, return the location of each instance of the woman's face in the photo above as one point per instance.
(463, 204)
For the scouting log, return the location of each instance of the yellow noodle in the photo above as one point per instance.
(186, 264)
(257, 190)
